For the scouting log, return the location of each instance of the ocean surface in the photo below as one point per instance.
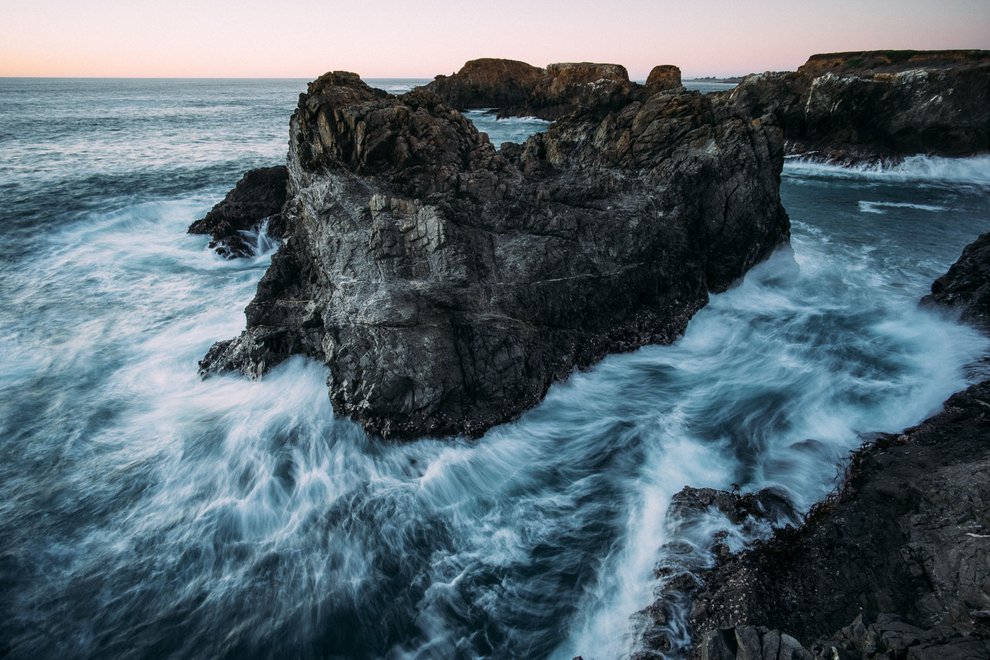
(147, 513)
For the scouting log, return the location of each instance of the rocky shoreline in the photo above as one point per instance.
(446, 284)
(896, 564)
(877, 106)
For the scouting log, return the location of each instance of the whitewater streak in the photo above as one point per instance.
(144, 511)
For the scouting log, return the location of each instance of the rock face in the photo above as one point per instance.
(664, 76)
(519, 89)
(966, 286)
(879, 104)
(447, 285)
(895, 565)
(258, 198)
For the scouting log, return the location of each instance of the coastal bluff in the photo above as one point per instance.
(447, 284)
(877, 105)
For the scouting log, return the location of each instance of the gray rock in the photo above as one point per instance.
(446, 285)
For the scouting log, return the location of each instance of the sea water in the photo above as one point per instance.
(145, 512)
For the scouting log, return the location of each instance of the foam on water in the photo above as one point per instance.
(146, 511)
(920, 168)
(509, 129)
(881, 208)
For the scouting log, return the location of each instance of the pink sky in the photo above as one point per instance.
(387, 38)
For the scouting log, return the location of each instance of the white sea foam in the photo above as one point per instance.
(974, 170)
(881, 208)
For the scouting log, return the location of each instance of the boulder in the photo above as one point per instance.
(447, 285)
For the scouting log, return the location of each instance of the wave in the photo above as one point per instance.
(507, 129)
(973, 170)
(881, 207)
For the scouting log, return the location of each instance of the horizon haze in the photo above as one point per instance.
(388, 39)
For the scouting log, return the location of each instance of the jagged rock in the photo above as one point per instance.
(664, 76)
(519, 89)
(258, 197)
(878, 105)
(688, 517)
(902, 551)
(446, 286)
(966, 287)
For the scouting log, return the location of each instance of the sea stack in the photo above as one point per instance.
(446, 285)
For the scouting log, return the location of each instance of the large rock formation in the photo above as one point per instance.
(878, 105)
(519, 89)
(895, 565)
(256, 200)
(447, 285)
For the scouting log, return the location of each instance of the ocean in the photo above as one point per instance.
(147, 513)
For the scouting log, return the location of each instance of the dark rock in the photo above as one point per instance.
(488, 83)
(688, 518)
(257, 198)
(878, 105)
(966, 286)
(901, 551)
(664, 77)
(447, 286)
(519, 89)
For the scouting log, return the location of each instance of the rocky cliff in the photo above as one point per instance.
(519, 89)
(895, 565)
(878, 105)
(446, 285)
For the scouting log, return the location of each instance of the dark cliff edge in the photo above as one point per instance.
(877, 106)
(896, 564)
(446, 285)
(253, 205)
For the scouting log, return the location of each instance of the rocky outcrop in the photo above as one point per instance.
(446, 285)
(878, 105)
(896, 564)
(519, 89)
(966, 287)
(257, 199)
(664, 76)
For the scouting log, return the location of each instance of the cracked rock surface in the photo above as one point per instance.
(446, 285)
(878, 105)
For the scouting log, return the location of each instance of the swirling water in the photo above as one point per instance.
(144, 512)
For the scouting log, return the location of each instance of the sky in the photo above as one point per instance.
(391, 38)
